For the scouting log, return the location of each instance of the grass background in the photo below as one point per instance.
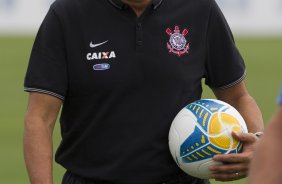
(263, 59)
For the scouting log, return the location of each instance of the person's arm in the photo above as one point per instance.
(238, 164)
(40, 118)
(240, 99)
(266, 166)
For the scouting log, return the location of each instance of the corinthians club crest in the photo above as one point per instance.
(177, 42)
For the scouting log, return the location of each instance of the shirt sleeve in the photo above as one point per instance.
(224, 65)
(279, 99)
(47, 69)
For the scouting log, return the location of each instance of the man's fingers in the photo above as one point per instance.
(232, 158)
(236, 164)
(245, 137)
(229, 176)
(229, 168)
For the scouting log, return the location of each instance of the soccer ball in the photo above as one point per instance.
(201, 130)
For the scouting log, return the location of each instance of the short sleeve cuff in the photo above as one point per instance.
(27, 89)
(234, 82)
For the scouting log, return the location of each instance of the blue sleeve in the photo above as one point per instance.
(279, 99)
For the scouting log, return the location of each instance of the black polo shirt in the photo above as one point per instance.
(123, 79)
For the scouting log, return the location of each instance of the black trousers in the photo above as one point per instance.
(70, 178)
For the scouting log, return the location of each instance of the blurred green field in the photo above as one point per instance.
(263, 58)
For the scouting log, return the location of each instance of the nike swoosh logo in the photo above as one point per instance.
(98, 44)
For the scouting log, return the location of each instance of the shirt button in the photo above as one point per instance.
(139, 42)
(139, 25)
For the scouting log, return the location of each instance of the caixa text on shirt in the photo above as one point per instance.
(100, 55)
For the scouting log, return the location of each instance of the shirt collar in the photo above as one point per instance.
(119, 4)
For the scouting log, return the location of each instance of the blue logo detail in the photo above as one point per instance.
(102, 66)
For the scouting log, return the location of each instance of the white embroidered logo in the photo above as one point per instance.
(98, 44)
(100, 55)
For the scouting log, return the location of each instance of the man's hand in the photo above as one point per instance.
(235, 166)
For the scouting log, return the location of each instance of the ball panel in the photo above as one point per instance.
(174, 143)
(203, 171)
(221, 125)
(195, 170)
(183, 124)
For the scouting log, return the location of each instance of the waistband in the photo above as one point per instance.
(182, 178)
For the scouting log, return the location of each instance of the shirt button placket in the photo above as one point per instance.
(139, 38)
